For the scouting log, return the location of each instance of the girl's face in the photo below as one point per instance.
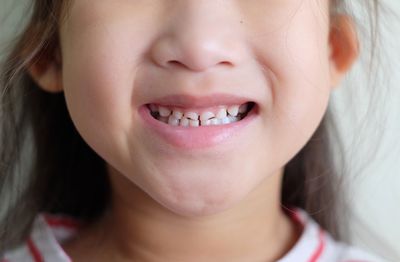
(121, 56)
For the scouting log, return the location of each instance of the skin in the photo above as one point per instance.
(220, 203)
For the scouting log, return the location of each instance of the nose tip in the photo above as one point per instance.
(194, 55)
(199, 36)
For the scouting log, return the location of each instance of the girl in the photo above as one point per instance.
(174, 131)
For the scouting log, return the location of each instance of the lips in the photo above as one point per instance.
(197, 137)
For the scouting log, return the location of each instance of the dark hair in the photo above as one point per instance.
(45, 165)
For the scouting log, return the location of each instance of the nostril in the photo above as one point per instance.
(226, 63)
(175, 63)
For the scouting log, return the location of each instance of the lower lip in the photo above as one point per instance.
(195, 137)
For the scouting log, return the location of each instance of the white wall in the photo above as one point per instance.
(375, 189)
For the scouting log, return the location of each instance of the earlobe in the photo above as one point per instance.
(344, 47)
(46, 72)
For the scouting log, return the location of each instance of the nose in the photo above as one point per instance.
(200, 35)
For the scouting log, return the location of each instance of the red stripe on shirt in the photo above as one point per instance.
(320, 248)
(294, 215)
(55, 221)
(37, 257)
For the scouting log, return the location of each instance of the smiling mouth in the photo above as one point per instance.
(214, 116)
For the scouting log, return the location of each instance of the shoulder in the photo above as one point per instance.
(317, 245)
(343, 252)
(43, 244)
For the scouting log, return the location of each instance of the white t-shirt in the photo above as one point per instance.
(314, 244)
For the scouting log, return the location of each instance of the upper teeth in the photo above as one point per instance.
(178, 117)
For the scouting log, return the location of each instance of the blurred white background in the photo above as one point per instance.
(367, 107)
(369, 114)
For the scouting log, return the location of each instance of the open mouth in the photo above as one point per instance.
(214, 116)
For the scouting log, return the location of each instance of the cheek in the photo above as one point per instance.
(297, 59)
(98, 79)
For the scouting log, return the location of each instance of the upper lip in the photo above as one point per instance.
(191, 101)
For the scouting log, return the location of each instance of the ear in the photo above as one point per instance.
(47, 73)
(344, 47)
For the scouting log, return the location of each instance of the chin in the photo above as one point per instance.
(200, 207)
(209, 196)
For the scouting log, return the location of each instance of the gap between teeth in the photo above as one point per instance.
(175, 117)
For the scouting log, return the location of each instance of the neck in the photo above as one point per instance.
(256, 229)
